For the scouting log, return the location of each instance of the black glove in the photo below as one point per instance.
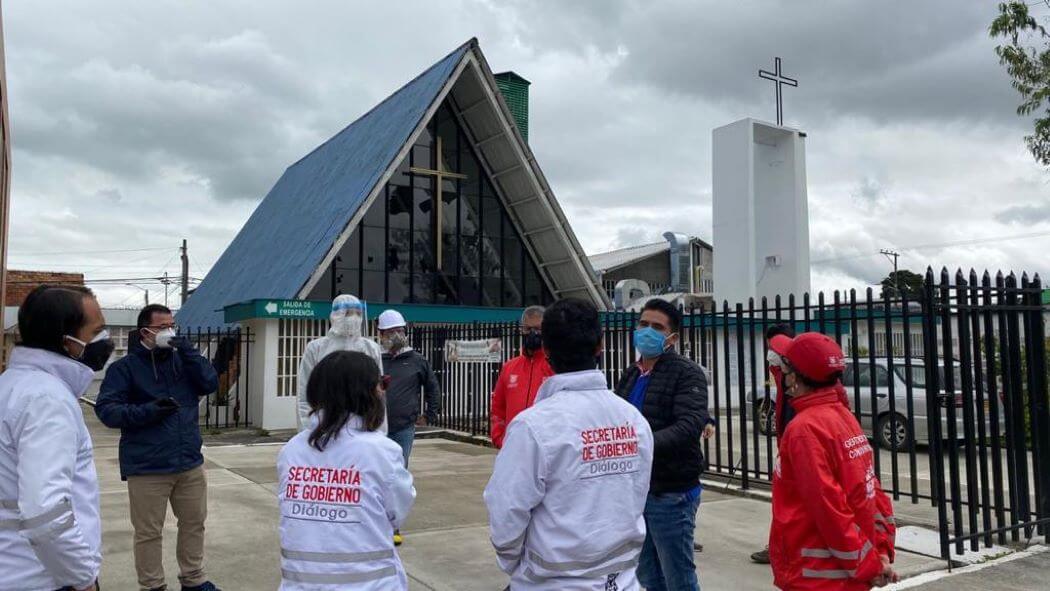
(182, 345)
(166, 407)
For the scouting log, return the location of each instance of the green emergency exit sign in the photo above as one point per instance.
(294, 309)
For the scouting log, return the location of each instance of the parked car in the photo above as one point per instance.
(885, 426)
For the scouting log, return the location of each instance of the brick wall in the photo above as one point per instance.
(20, 283)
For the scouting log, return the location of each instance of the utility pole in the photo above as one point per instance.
(166, 283)
(185, 272)
(147, 297)
(893, 256)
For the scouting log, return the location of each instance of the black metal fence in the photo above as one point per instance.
(228, 350)
(991, 467)
(950, 384)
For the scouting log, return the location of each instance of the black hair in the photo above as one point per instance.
(343, 384)
(674, 315)
(780, 328)
(49, 314)
(814, 384)
(571, 334)
(146, 314)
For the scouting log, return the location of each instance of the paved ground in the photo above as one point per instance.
(446, 546)
(1023, 574)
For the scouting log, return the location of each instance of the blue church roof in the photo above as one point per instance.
(295, 225)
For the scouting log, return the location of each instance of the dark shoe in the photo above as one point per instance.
(162, 588)
(761, 557)
(205, 586)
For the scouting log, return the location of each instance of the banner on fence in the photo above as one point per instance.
(481, 351)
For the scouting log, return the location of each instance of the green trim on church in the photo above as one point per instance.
(415, 313)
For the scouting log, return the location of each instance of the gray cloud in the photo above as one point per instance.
(136, 125)
(1025, 215)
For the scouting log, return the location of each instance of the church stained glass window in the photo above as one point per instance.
(461, 249)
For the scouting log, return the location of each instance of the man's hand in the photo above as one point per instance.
(887, 576)
(166, 406)
(182, 345)
(421, 421)
(709, 431)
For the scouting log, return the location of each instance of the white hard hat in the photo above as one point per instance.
(391, 319)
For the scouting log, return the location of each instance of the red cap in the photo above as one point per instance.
(816, 356)
(780, 344)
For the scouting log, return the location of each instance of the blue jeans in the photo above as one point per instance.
(667, 555)
(404, 438)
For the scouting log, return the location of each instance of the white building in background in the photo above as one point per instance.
(679, 267)
(761, 212)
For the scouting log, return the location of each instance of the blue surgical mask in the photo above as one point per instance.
(649, 342)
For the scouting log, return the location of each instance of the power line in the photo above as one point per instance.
(17, 254)
(968, 242)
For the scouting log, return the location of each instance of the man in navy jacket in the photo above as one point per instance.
(152, 396)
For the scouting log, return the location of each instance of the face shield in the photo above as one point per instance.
(348, 316)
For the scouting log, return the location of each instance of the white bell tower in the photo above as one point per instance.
(761, 212)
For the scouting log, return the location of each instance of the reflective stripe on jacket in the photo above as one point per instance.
(519, 382)
(568, 489)
(831, 519)
(339, 508)
(50, 533)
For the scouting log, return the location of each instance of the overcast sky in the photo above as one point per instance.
(136, 124)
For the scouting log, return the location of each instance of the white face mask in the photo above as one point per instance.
(347, 326)
(774, 359)
(162, 338)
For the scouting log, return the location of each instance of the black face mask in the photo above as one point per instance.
(531, 341)
(97, 352)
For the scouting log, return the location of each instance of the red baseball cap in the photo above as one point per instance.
(780, 344)
(816, 356)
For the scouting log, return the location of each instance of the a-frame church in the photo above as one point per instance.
(432, 197)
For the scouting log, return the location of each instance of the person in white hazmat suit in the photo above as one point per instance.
(343, 486)
(348, 318)
(568, 490)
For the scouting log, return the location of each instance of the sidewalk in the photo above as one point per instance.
(446, 537)
(1019, 572)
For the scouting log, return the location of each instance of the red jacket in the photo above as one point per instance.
(515, 390)
(831, 520)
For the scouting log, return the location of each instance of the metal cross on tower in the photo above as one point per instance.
(778, 81)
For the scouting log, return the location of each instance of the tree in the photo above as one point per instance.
(1029, 67)
(903, 281)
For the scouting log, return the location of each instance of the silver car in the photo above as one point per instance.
(886, 427)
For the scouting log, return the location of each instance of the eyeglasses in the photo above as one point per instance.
(160, 327)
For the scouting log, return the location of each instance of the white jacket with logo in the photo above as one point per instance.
(339, 509)
(318, 349)
(566, 496)
(50, 534)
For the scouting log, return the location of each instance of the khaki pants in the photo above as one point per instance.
(149, 496)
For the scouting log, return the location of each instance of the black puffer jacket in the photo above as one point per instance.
(676, 408)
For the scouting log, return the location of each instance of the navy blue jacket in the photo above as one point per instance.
(151, 443)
